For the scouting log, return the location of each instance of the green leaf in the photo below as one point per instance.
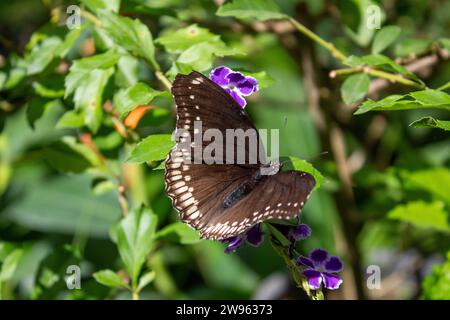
(127, 72)
(302, 165)
(178, 232)
(71, 119)
(260, 10)
(422, 214)
(430, 122)
(81, 68)
(64, 205)
(360, 20)
(130, 34)
(415, 100)
(445, 43)
(10, 264)
(412, 47)
(135, 235)
(69, 156)
(36, 108)
(182, 39)
(42, 54)
(434, 180)
(436, 286)
(110, 279)
(138, 94)
(146, 279)
(355, 88)
(152, 148)
(200, 56)
(264, 80)
(95, 5)
(88, 97)
(384, 38)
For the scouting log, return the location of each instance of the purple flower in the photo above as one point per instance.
(321, 268)
(300, 232)
(235, 83)
(254, 237)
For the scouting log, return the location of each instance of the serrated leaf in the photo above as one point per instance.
(384, 38)
(135, 234)
(260, 10)
(88, 97)
(138, 94)
(422, 214)
(130, 34)
(81, 68)
(430, 122)
(42, 54)
(10, 264)
(178, 232)
(153, 148)
(355, 88)
(110, 279)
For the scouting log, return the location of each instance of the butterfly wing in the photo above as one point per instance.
(279, 196)
(199, 99)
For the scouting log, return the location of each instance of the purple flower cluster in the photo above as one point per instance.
(235, 83)
(319, 268)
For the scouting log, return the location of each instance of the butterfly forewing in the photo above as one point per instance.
(199, 100)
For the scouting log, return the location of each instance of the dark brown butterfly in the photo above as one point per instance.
(224, 200)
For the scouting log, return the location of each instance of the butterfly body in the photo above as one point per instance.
(222, 199)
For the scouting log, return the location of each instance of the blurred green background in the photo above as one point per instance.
(58, 204)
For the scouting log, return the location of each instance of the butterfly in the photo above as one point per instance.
(223, 199)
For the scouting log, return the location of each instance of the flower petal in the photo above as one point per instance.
(237, 97)
(300, 232)
(331, 281)
(318, 256)
(334, 264)
(219, 75)
(233, 243)
(305, 261)
(314, 278)
(235, 78)
(255, 235)
(248, 86)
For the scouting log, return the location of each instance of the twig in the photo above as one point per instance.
(89, 16)
(327, 45)
(161, 77)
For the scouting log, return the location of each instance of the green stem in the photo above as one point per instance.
(345, 71)
(393, 77)
(135, 294)
(161, 77)
(327, 45)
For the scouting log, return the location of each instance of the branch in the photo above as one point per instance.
(327, 45)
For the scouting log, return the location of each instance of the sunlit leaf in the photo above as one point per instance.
(260, 10)
(422, 214)
(153, 148)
